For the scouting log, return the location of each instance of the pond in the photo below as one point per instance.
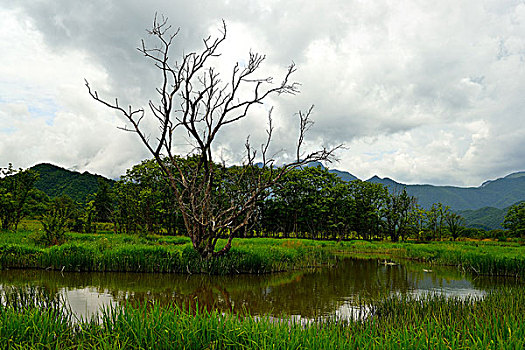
(306, 294)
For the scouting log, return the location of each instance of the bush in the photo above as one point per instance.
(56, 220)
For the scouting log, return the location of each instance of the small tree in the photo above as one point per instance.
(417, 222)
(454, 222)
(515, 219)
(88, 218)
(194, 99)
(15, 186)
(56, 220)
(434, 219)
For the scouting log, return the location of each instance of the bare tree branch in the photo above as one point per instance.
(215, 201)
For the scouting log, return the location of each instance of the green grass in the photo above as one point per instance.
(486, 258)
(395, 322)
(133, 253)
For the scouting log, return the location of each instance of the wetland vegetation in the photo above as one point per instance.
(125, 227)
(155, 253)
(395, 322)
(144, 320)
(147, 240)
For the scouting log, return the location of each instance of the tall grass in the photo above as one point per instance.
(91, 253)
(484, 258)
(131, 253)
(396, 322)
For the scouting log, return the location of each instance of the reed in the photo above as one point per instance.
(485, 258)
(103, 254)
(395, 322)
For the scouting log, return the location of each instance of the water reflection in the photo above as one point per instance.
(314, 293)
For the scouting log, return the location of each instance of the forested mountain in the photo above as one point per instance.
(56, 181)
(482, 207)
(500, 193)
(487, 218)
(497, 194)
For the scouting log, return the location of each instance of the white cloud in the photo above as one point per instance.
(420, 92)
(45, 112)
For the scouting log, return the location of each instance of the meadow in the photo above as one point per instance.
(107, 251)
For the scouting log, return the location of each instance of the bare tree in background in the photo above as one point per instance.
(214, 201)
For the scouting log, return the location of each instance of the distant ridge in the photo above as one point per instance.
(56, 181)
(517, 175)
(500, 193)
(483, 207)
(344, 175)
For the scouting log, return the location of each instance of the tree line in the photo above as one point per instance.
(194, 104)
(308, 202)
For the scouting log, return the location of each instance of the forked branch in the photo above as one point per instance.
(214, 201)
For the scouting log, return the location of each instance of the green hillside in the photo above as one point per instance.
(500, 193)
(487, 218)
(56, 181)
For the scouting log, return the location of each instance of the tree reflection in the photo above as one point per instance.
(308, 293)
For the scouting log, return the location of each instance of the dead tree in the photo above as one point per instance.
(214, 201)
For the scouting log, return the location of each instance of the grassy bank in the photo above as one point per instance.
(486, 258)
(129, 253)
(112, 252)
(395, 323)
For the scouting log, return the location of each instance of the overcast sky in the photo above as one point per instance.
(418, 91)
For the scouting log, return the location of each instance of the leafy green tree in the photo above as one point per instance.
(434, 220)
(417, 222)
(36, 204)
(103, 202)
(454, 222)
(304, 202)
(87, 222)
(144, 202)
(342, 206)
(369, 198)
(396, 214)
(15, 186)
(515, 220)
(138, 207)
(125, 215)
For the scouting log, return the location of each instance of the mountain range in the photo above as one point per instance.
(500, 193)
(482, 207)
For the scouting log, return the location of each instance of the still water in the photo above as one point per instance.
(305, 294)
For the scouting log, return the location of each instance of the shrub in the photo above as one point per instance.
(56, 220)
